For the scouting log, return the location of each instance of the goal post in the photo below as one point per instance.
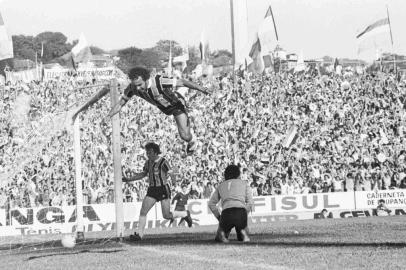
(112, 87)
(78, 179)
(118, 182)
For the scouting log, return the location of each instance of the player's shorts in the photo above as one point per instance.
(179, 213)
(159, 193)
(177, 108)
(233, 217)
(180, 208)
(174, 110)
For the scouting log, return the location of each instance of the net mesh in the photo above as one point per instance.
(37, 169)
(30, 138)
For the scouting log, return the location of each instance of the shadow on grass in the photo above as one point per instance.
(73, 253)
(276, 240)
(91, 243)
(318, 240)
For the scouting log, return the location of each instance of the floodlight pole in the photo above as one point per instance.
(118, 191)
(233, 44)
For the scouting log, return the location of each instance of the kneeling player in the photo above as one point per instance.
(180, 201)
(236, 200)
(157, 169)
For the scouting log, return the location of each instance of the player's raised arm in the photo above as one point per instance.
(191, 85)
(117, 108)
(121, 102)
(96, 97)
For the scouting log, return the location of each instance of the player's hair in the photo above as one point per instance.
(381, 201)
(136, 72)
(232, 172)
(152, 146)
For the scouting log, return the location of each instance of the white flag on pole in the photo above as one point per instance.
(81, 52)
(6, 43)
(300, 66)
(375, 36)
(182, 58)
(241, 43)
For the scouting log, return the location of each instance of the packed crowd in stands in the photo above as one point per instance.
(350, 137)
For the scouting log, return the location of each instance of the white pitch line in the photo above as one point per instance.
(233, 263)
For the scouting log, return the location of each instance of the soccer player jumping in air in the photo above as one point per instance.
(157, 170)
(160, 91)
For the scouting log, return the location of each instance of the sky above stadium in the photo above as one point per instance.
(314, 27)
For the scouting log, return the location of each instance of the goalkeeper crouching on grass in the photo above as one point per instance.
(236, 201)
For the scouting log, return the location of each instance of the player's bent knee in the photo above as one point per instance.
(186, 136)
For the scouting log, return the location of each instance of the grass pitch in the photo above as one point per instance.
(353, 243)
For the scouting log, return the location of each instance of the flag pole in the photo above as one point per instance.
(235, 85)
(170, 59)
(391, 38)
(277, 37)
(233, 41)
(36, 64)
(274, 25)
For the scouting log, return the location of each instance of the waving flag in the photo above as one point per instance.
(182, 58)
(375, 36)
(6, 44)
(381, 26)
(300, 66)
(81, 52)
(267, 33)
(290, 137)
(257, 64)
(240, 23)
(262, 47)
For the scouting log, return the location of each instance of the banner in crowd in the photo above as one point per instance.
(101, 217)
(45, 220)
(105, 73)
(369, 199)
(25, 75)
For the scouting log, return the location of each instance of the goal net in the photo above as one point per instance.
(38, 184)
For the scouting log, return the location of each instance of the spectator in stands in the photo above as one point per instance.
(337, 184)
(340, 133)
(326, 214)
(381, 209)
(254, 190)
(208, 190)
(349, 182)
